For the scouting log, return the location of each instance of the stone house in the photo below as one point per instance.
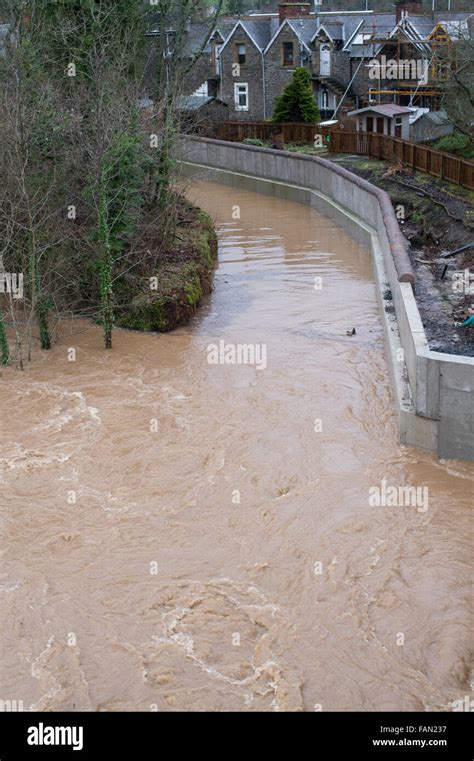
(242, 70)
(248, 60)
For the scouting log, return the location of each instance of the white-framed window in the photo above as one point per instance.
(326, 100)
(241, 96)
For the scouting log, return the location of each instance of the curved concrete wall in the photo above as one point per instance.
(434, 392)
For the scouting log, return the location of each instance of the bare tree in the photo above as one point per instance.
(457, 61)
(32, 220)
(85, 181)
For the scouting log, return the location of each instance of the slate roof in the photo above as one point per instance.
(350, 24)
(452, 15)
(416, 27)
(198, 33)
(305, 28)
(194, 102)
(335, 29)
(456, 26)
(423, 26)
(340, 26)
(349, 21)
(439, 118)
(195, 38)
(378, 26)
(259, 30)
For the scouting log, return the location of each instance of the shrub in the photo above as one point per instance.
(459, 144)
(254, 141)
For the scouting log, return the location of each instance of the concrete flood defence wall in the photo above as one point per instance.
(434, 392)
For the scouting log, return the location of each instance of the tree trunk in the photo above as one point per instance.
(106, 266)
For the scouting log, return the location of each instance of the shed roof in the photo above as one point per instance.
(437, 117)
(384, 109)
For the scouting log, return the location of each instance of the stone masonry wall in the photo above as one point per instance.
(250, 73)
(278, 76)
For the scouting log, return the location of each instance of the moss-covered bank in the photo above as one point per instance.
(182, 272)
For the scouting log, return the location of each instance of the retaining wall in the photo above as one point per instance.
(434, 392)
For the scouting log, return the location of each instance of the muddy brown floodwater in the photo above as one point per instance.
(186, 535)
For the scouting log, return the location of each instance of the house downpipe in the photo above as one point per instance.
(264, 86)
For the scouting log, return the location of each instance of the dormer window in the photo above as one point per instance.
(288, 54)
(240, 53)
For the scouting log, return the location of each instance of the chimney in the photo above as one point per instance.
(293, 10)
(403, 7)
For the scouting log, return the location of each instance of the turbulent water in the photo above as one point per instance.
(181, 535)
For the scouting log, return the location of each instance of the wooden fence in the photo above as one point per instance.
(291, 132)
(422, 157)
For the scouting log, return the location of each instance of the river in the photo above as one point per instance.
(183, 535)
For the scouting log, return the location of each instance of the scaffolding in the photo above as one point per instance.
(438, 46)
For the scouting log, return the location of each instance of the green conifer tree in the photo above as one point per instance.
(296, 103)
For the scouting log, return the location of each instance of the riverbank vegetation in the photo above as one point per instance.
(89, 209)
(165, 301)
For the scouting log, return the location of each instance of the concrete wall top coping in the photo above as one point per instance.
(439, 356)
(398, 244)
